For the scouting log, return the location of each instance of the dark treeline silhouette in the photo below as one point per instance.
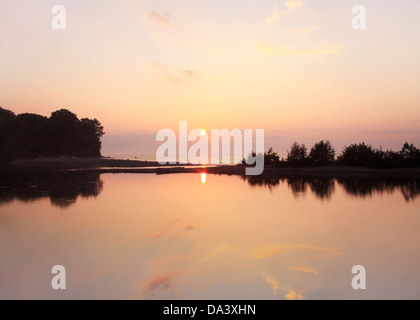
(62, 134)
(322, 153)
(62, 187)
(367, 156)
(360, 155)
(324, 187)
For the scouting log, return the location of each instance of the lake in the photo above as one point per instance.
(203, 236)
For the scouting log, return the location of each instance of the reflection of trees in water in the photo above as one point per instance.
(363, 187)
(411, 190)
(324, 187)
(63, 188)
(297, 185)
(262, 181)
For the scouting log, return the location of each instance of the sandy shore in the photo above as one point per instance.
(110, 165)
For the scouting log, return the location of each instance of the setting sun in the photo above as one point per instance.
(203, 132)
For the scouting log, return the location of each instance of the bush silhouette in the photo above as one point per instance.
(62, 134)
(270, 157)
(322, 153)
(366, 156)
(298, 154)
(358, 155)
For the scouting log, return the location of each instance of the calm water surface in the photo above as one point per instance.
(192, 236)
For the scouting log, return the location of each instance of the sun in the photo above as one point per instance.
(203, 132)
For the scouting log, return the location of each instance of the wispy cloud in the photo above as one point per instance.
(274, 284)
(176, 76)
(220, 249)
(265, 252)
(293, 4)
(159, 234)
(169, 260)
(304, 269)
(387, 131)
(160, 286)
(293, 295)
(277, 288)
(274, 16)
(160, 282)
(162, 18)
(278, 50)
(289, 5)
(303, 30)
(182, 76)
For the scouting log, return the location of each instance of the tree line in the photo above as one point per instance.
(361, 155)
(30, 135)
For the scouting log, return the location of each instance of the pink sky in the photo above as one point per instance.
(294, 68)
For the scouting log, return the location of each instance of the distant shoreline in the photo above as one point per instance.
(57, 163)
(110, 165)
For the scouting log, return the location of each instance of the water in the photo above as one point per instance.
(139, 157)
(152, 157)
(192, 236)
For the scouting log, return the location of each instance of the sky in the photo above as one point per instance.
(295, 68)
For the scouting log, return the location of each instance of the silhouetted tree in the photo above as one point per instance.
(64, 128)
(298, 154)
(30, 135)
(410, 155)
(271, 157)
(7, 121)
(91, 131)
(367, 156)
(389, 159)
(358, 155)
(322, 153)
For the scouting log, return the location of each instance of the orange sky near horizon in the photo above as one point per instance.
(294, 68)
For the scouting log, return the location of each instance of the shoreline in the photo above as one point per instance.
(111, 165)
